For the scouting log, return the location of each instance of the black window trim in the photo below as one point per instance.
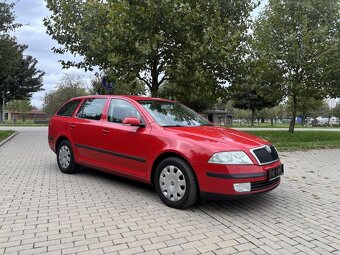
(75, 109)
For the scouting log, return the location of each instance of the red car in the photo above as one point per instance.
(163, 143)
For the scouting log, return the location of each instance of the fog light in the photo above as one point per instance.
(242, 187)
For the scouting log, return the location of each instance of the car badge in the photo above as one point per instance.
(268, 149)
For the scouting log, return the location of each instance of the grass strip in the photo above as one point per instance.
(302, 140)
(5, 133)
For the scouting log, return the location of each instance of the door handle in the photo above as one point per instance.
(72, 125)
(105, 131)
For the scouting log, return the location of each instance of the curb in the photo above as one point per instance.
(8, 138)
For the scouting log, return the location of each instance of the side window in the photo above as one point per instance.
(92, 108)
(68, 109)
(120, 109)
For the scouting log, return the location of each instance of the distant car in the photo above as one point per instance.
(163, 143)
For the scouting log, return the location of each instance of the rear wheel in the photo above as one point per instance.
(65, 158)
(176, 183)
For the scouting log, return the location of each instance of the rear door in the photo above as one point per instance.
(85, 130)
(59, 123)
(125, 148)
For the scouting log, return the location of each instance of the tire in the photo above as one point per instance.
(176, 183)
(65, 158)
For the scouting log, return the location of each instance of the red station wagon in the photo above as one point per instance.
(163, 143)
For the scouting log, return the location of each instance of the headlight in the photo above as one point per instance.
(231, 157)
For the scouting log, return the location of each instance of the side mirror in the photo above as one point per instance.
(132, 121)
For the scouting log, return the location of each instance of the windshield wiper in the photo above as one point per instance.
(173, 126)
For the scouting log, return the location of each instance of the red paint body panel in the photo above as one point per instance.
(131, 151)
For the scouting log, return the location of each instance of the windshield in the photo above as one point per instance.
(170, 114)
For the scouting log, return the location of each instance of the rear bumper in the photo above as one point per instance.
(51, 142)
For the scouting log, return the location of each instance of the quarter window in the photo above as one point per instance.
(92, 108)
(68, 109)
(120, 109)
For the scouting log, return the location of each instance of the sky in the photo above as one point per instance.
(33, 33)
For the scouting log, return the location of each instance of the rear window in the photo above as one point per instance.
(68, 109)
(92, 108)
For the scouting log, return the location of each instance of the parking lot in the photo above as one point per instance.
(45, 211)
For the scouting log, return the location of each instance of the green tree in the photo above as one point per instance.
(19, 77)
(7, 18)
(21, 106)
(249, 99)
(272, 113)
(323, 110)
(301, 39)
(336, 112)
(155, 41)
(240, 115)
(69, 86)
(134, 87)
(255, 86)
(306, 107)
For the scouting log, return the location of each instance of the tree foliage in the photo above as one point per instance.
(255, 86)
(7, 18)
(336, 111)
(190, 44)
(133, 87)
(69, 86)
(306, 107)
(301, 39)
(19, 77)
(20, 106)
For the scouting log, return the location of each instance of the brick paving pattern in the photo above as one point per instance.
(43, 211)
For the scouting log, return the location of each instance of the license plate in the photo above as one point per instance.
(275, 173)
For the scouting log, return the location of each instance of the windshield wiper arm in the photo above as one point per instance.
(173, 126)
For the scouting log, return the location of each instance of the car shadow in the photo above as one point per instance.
(87, 171)
(240, 205)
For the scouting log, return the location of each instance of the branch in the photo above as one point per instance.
(144, 80)
(162, 80)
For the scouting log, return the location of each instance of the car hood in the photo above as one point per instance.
(219, 136)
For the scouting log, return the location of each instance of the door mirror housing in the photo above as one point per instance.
(132, 121)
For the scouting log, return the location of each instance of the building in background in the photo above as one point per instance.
(219, 117)
(31, 115)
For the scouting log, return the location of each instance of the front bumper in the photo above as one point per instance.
(217, 196)
(218, 180)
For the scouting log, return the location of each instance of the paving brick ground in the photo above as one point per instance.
(43, 211)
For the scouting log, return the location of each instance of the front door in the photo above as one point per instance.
(125, 148)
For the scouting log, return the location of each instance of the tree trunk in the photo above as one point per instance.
(252, 117)
(303, 120)
(272, 122)
(2, 110)
(154, 77)
(292, 122)
(154, 90)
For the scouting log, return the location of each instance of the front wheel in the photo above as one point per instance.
(65, 158)
(175, 183)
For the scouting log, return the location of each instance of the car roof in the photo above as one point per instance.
(135, 98)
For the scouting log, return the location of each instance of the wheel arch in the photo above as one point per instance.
(59, 140)
(165, 155)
